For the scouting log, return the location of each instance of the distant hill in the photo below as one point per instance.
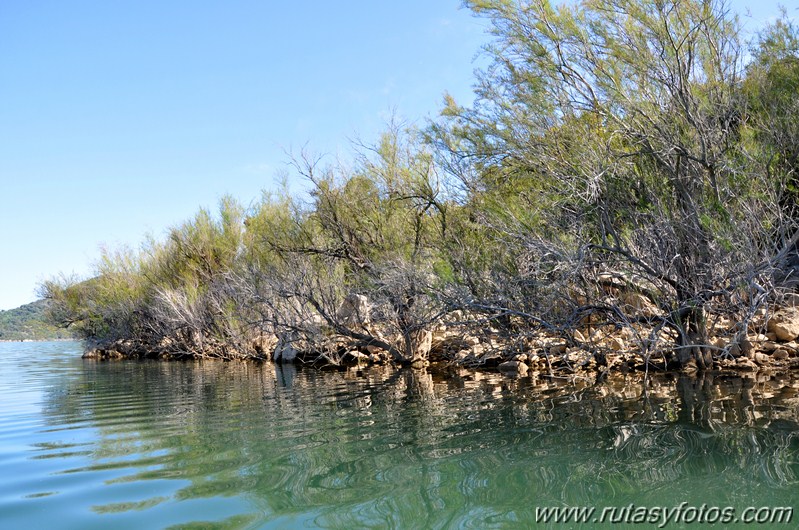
(28, 322)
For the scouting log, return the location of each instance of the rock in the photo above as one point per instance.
(640, 304)
(285, 352)
(761, 358)
(354, 357)
(522, 358)
(491, 359)
(768, 346)
(617, 344)
(771, 336)
(513, 366)
(471, 340)
(746, 364)
(376, 358)
(373, 350)
(785, 324)
(354, 310)
(418, 364)
(462, 355)
(780, 354)
(627, 333)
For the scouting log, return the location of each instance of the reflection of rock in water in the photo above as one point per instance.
(400, 441)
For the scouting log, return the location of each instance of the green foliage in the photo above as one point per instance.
(29, 322)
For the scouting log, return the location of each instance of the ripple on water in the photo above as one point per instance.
(158, 445)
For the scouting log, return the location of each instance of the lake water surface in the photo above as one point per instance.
(87, 444)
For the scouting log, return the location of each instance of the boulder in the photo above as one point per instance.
(768, 346)
(354, 310)
(785, 324)
(640, 304)
(513, 366)
(285, 352)
(780, 355)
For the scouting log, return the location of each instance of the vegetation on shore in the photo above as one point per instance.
(29, 322)
(628, 170)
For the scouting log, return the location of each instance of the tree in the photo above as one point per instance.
(617, 125)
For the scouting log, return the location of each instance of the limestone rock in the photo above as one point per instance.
(761, 358)
(285, 352)
(780, 354)
(418, 364)
(785, 324)
(354, 310)
(746, 364)
(513, 366)
(640, 304)
(355, 357)
(617, 344)
(373, 350)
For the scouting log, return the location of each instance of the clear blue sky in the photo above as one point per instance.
(121, 118)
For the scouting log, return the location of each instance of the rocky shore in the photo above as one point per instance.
(771, 343)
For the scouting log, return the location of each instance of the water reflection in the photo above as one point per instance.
(251, 445)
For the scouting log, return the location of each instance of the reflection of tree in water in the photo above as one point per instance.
(384, 446)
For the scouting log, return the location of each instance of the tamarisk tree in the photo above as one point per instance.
(618, 135)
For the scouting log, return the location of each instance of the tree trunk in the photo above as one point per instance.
(692, 352)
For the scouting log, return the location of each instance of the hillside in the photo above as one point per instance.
(27, 322)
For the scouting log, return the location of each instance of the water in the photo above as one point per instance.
(86, 444)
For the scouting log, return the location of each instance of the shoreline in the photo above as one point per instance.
(41, 340)
(547, 355)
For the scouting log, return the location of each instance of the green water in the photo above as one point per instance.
(86, 444)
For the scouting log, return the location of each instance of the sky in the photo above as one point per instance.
(121, 119)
